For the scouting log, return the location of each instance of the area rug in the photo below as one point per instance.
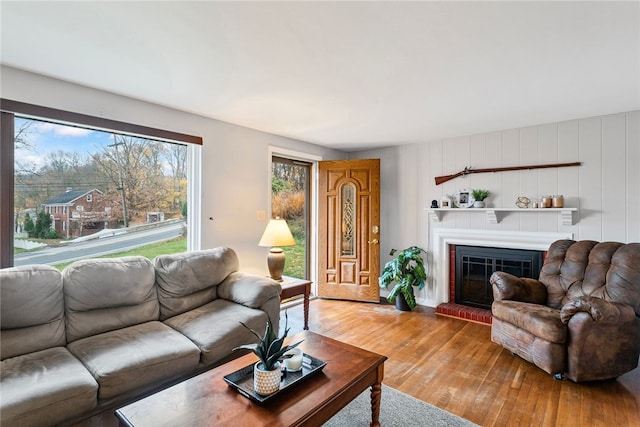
(396, 409)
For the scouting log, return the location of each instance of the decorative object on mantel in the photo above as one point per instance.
(446, 202)
(434, 204)
(557, 201)
(546, 202)
(463, 199)
(406, 270)
(523, 202)
(467, 170)
(267, 373)
(479, 196)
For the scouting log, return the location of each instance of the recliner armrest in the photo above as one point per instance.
(250, 290)
(600, 310)
(509, 287)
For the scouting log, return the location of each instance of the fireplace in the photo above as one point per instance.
(441, 291)
(475, 264)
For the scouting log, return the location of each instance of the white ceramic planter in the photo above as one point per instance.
(478, 204)
(266, 382)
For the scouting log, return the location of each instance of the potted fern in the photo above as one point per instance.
(479, 196)
(406, 270)
(270, 350)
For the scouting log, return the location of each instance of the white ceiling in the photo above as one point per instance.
(347, 75)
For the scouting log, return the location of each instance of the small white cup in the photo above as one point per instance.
(293, 363)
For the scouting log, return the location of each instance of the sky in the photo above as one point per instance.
(47, 138)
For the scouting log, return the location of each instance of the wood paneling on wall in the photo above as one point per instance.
(605, 189)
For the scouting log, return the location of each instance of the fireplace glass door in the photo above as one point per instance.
(475, 264)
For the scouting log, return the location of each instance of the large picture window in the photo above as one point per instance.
(91, 188)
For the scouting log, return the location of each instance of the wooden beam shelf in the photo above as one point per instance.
(494, 215)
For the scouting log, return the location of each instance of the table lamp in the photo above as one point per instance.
(275, 235)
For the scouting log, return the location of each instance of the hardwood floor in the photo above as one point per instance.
(453, 365)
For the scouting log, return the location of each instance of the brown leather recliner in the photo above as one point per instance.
(581, 319)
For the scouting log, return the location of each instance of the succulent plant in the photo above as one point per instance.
(270, 347)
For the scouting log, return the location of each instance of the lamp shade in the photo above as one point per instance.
(277, 233)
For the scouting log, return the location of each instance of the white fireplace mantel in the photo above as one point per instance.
(494, 215)
(441, 238)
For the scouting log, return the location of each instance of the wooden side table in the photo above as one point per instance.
(292, 287)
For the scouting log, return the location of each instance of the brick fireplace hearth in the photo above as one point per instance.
(458, 311)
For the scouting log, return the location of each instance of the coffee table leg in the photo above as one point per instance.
(376, 392)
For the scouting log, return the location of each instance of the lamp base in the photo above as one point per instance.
(275, 262)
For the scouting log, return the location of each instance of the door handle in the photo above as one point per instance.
(374, 241)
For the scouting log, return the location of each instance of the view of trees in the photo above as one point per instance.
(287, 190)
(288, 182)
(148, 175)
(153, 175)
(42, 226)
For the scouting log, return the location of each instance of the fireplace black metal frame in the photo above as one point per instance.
(520, 262)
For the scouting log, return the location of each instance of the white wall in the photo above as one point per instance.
(235, 174)
(606, 188)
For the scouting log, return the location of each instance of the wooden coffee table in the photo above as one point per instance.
(207, 400)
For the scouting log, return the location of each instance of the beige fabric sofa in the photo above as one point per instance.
(106, 331)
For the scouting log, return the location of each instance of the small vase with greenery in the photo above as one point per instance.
(406, 270)
(270, 350)
(479, 196)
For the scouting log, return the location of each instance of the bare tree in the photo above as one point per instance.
(141, 164)
(22, 134)
(176, 156)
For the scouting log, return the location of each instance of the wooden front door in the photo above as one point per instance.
(349, 230)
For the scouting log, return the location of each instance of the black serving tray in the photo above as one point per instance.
(242, 380)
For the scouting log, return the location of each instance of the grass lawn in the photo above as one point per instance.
(295, 258)
(149, 251)
(294, 266)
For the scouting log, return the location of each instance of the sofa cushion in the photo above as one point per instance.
(135, 357)
(45, 388)
(31, 310)
(215, 328)
(249, 289)
(188, 280)
(107, 294)
(539, 320)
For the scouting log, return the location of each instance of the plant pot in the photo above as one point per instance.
(478, 204)
(266, 382)
(401, 303)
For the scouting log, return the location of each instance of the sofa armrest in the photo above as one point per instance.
(603, 339)
(250, 290)
(599, 310)
(509, 287)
